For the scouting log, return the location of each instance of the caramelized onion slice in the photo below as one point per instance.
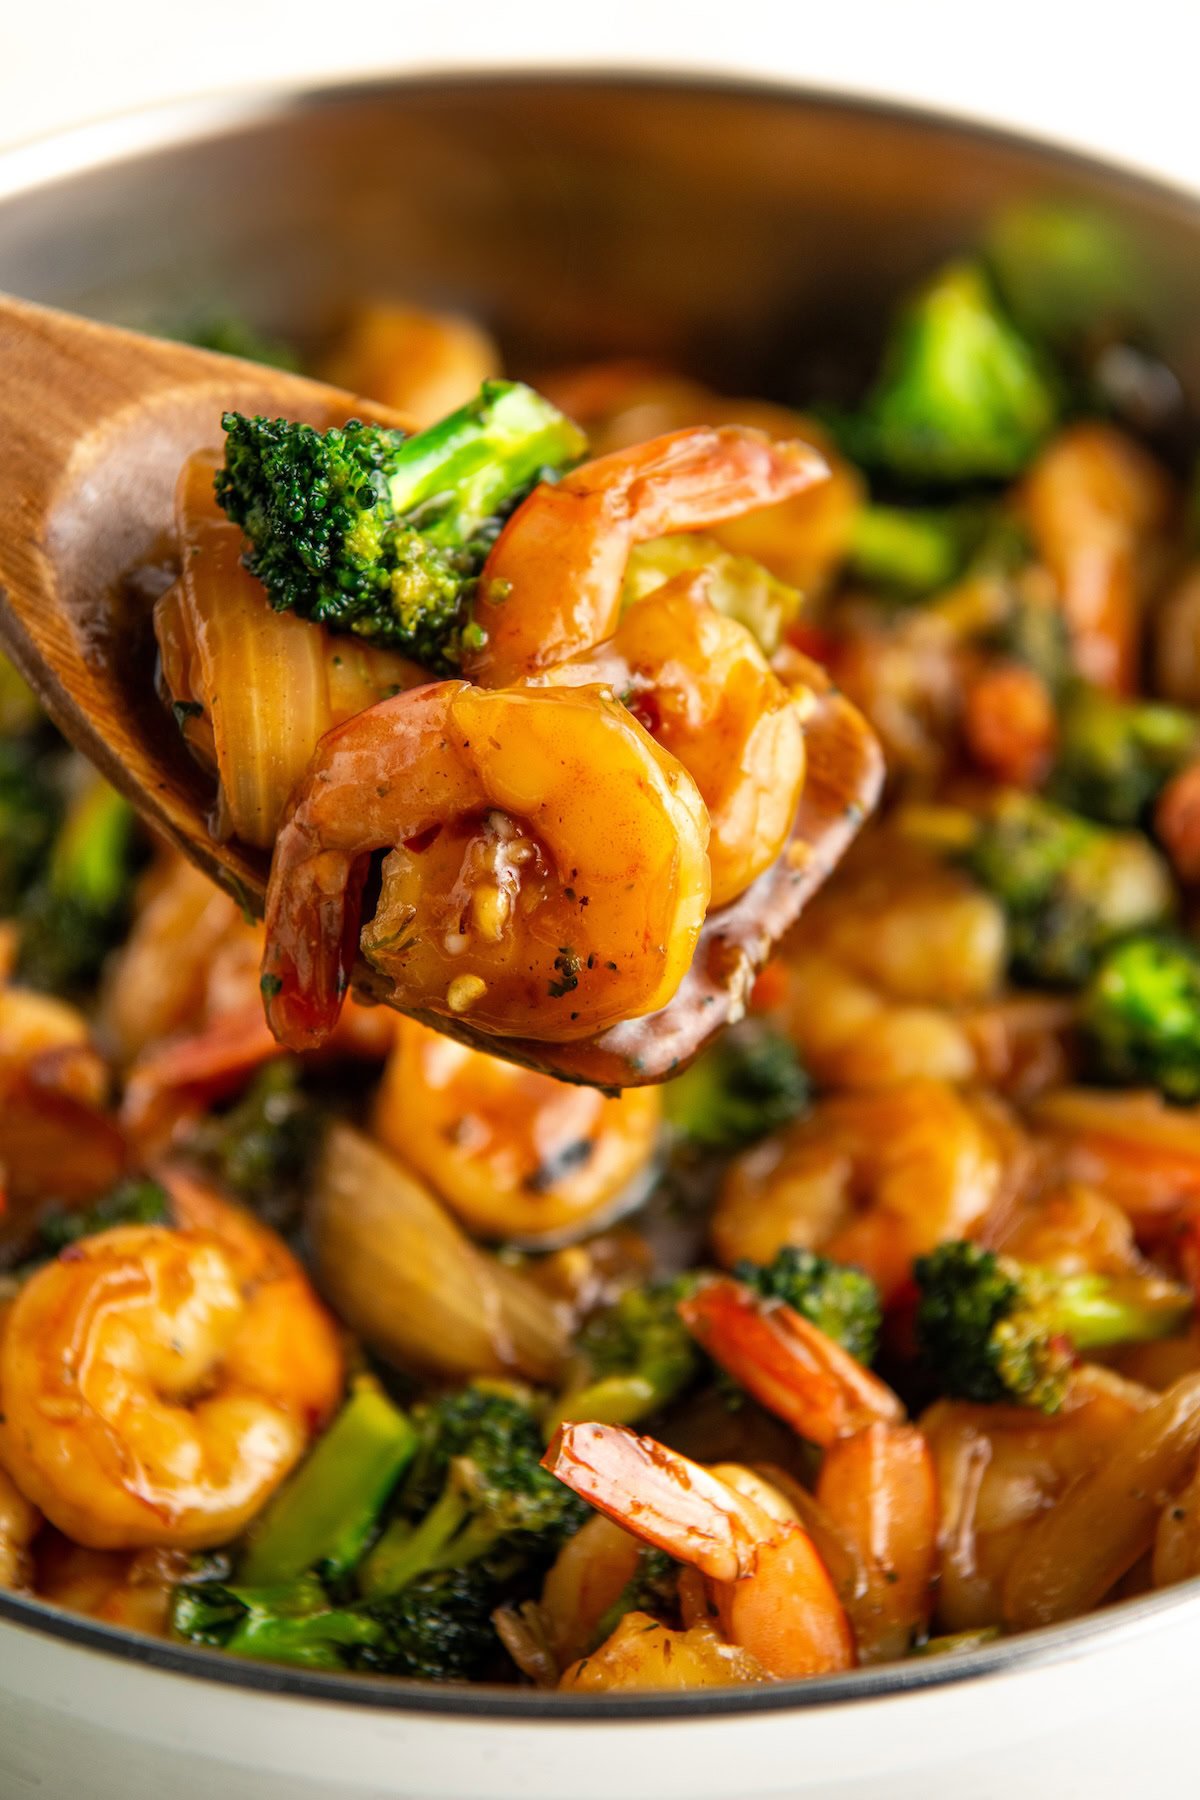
(253, 689)
(402, 1274)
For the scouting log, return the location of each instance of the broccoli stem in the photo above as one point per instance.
(324, 1517)
(89, 861)
(406, 1551)
(463, 469)
(1096, 1311)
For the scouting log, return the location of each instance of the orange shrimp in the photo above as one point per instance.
(514, 1153)
(879, 1489)
(1098, 506)
(157, 1384)
(552, 583)
(703, 689)
(772, 1593)
(789, 1365)
(548, 873)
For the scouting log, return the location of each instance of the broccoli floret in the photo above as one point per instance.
(839, 1300)
(438, 1629)
(324, 1518)
(1034, 632)
(738, 586)
(1115, 756)
(373, 531)
(78, 909)
(293, 1623)
(635, 1356)
(235, 336)
(748, 1084)
(475, 1493)
(137, 1201)
(262, 1148)
(29, 813)
(1141, 1015)
(1069, 887)
(961, 396)
(992, 1329)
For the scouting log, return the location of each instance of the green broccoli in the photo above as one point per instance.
(1061, 268)
(263, 1148)
(78, 909)
(233, 335)
(29, 812)
(841, 1301)
(748, 1084)
(323, 1519)
(438, 1628)
(380, 533)
(1034, 632)
(294, 1622)
(911, 551)
(961, 396)
(475, 1493)
(1116, 756)
(1141, 1015)
(135, 1201)
(635, 1356)
(1069, 887)
(738, 586)
(991, 1329)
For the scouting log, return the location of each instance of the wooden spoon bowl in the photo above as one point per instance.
(96, 423)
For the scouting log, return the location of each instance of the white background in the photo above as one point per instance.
(1121, 78)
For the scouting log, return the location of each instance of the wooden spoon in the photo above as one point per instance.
(96, 424)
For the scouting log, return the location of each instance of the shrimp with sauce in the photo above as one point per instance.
(514, 1153)
(703, 689)
(158, 1383)
(873, 1178)
(876, 1490)
(551, 586)
(547, 871)
(772, 1594)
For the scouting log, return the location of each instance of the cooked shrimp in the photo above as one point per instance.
(772, 1593)
(547, 876)
(803, 540)
(1134, 1147)
(56, 1133)
(20, 1521)
(704, 690)
(874, 1178)
(1097, 506)
(158, 1384)
(515, 1154)
(1177, 823)
(879, 973)
(552, 583)
(645, 1654)
(422, 363)
(879, 1489)
(1009, 724)
(132, 1589)
(1000, 1468)
(789, 1366)
(585, 1580)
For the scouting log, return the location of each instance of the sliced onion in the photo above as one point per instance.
(269, 684)
(403, 1275)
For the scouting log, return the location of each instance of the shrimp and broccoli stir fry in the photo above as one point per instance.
(331, 1339)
